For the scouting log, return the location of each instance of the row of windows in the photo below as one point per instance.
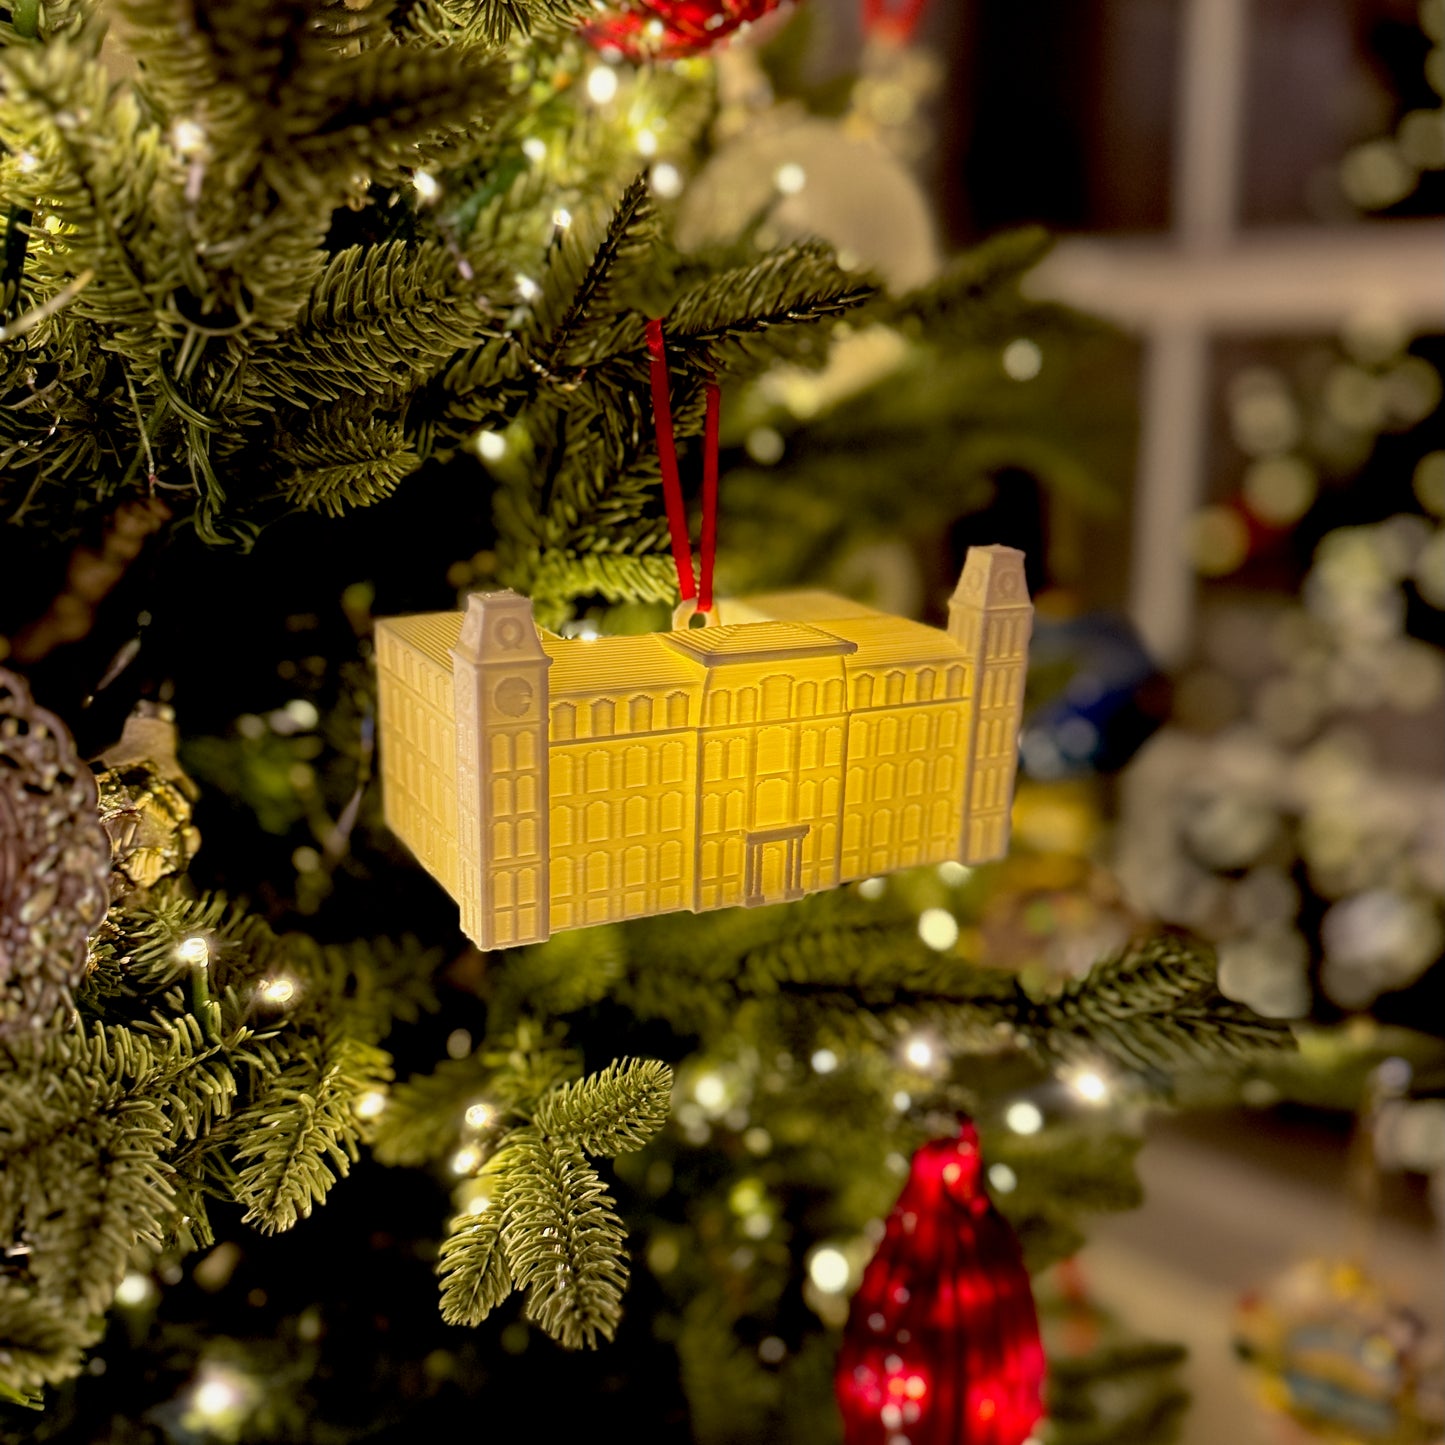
(606, 819)
(607, 716)
(603, 769)
(514, 840)
(514, 795)
(609, 907)
(997, 739)
(513, 886)
(1007, 637)
(924, 684)
(415, 730)
(513, 750)
(920, 779)
(1001, 687)
(990, 787)
(417, 673)
(721, 861)
(924, 732)
(775, 802)
(900, 827)
(602, 871)
(778, 750)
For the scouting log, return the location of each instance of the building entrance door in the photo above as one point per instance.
(773, 866)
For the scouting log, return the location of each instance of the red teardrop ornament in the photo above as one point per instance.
(671, 29)
(942, 1345)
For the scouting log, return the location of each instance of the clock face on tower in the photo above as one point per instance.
(513, 696)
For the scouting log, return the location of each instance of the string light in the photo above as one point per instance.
(646, 142)
(219, 1394)
(1022, 359)
(666, 180)
(920, 1052)
(534, 149)
(491, 446)
(828, 1269)
(872, 888)
(466, 1159)
(527, 288)
(953, 873)
(25, 162)
(938, 928)
(480, 1115)
(134, 1289)
(1024, 1117)
(426, 185)
(1088, 1085)
(561, 218)
(1002, 1179)
(188, 137)
(824, 1061)
(601, 84)
(370, 1104)
(710, 1091)
(194, 951)
(277, 990)
(790, 178)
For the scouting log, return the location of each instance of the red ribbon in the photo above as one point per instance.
(672, 480)
(897, 19)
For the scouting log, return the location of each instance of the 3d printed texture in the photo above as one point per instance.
(552, 782)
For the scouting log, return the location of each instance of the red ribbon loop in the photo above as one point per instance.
(687, 587)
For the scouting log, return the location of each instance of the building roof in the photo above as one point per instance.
(884, 641)
(616, 664)
(757, 642)
(811, 605)
(433, 634)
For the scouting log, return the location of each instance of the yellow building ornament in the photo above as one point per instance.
(551, 782)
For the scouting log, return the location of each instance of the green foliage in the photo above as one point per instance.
(613, 1112)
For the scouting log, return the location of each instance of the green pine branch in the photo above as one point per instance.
(612, 1112)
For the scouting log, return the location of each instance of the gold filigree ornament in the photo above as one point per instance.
(145, 802)
(54, 861)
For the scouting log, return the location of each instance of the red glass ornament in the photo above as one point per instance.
(671, 29)
(942, 1345)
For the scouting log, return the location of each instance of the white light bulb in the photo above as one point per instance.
(134, 1289)
(824, 1061)
(828, 1269)
(601, 83)
(480, 1116)
(710, 1091)
(534, 149)
(527, 288)
(194, 951)
(1022, 359)
(216, 1395)
(466, 1159)
(953, 873)
(370, 1104)
(790, 178)
(647, 143)
(187, 137)
(1002, 1178)
(919, 1052)
(491, 446)
(871, 888)
(561, 218)
(277, 990)
(938, 928)
(1089, 1086)
(666, 180)
(427, 186)
(1024, 1117)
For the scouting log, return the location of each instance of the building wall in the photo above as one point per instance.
(419, 782)
(622, 826)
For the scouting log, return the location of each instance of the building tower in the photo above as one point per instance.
(990, 617)
(500, 681)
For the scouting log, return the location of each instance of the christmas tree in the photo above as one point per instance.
(319, 312)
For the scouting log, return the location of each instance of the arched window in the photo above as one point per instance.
(526, 793)
(807, 703)
(948, 730)
(887, 738)
(777, 693)
(670, 812)
(733, 812)
(602, 718)
(912, 823)
(501, 753)
(833, 696)
(808, 749)
(562, 878)
(747, 705)
(738, 758)
(634, 868)
(669, 861)
(599, 770)
(717, 709)
(640, 715)
(564, 722)
(597, 872)
(598, 822)
(833, 747)
(634, 768)
(926, 680)
(634, 816)
(807, 799)
(883, 783)
(918, 733)
(526, 837)
(501, 841)
(501, 797)
(895, 688)
(881, 825)
(562, 827)
(674, 761)
(562, 780)
(711, 813)
(863, 690)
(677, 710)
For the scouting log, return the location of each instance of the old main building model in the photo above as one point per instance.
(553, 782)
